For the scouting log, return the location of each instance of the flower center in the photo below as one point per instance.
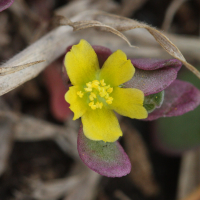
(98, 93)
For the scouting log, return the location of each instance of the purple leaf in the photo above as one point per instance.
(102, 53)
(4, 4)
(180, 97)
(105, 158)
(153, 75)
(153, 64)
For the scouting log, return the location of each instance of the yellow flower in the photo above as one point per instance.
(96, 93)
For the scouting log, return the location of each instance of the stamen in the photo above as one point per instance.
(92, 96)
(88, 89)
(110, 90)
(80, 94)
(99, 105)
(107, 96)
(97, 87)
(102, 82)
(106, 87)
(102, 93)
(89, 84)
(95, 84)
(109, 100)
(91, 104)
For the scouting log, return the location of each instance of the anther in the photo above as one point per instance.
(109, 100)
(92, 96)
(91, 104)
(88, 89)
(106, 87)
(99, 105)
(80, 94)
(102, 82)
(89, 84)
(110, 90)
(95, 84)
(107, 96)
(102, 93)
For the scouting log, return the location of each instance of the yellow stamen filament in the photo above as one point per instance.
(109, 100)
(80, 94)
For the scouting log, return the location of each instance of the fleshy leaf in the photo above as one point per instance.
(4, 4)
(153, 64)
(180, 97)
(105, 158)
(153, 101)
(153, 75)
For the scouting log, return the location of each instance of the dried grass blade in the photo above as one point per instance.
(79, 25)
(13, 69)
(123, 24)
(115, 24)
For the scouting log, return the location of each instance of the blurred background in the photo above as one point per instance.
(38, 156)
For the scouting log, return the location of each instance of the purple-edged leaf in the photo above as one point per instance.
(102, 53)
(180, 97)
(4, 4)
(153, 75)
(153, 64)
(105, 158)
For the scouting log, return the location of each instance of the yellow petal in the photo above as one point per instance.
(128, 102)
(101, 124)
(81, 63)
(77, 104)
(117, 69)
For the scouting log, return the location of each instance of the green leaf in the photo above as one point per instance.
(153, 101)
